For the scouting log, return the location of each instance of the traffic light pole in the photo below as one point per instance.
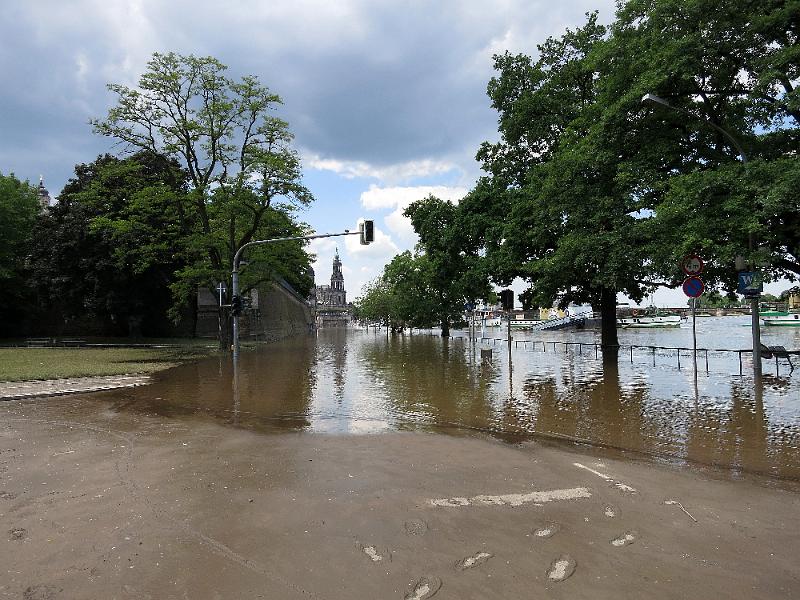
(365, 230)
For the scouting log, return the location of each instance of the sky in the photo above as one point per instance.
(387, 100)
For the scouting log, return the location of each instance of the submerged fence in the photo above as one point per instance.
(682, 355)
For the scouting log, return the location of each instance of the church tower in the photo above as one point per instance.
(44, 195)
(338, 293)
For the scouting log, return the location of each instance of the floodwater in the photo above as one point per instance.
(357, 381)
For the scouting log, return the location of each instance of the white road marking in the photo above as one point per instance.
(598, 473)
(514, 499)
(624, 487)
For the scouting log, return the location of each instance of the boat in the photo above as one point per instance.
(649, 322)
(787, 319)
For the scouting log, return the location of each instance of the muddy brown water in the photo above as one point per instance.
(354, 381)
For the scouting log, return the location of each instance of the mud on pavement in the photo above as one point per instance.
(100, 503)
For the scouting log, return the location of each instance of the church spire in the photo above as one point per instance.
(44, 195)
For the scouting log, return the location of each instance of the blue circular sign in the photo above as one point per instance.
(693, 287)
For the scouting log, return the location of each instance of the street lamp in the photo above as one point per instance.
(755, 325)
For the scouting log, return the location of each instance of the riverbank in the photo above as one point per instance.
(99, 501)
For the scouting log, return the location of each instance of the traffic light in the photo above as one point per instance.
(367, 229)
(236, 306)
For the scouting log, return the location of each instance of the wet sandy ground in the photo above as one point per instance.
(96, 503)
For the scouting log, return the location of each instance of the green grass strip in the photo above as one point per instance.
(26, 364)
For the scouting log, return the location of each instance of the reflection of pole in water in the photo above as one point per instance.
(510, 372)
(236, 400)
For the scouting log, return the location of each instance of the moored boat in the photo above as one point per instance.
(648, 322)
(786, 319)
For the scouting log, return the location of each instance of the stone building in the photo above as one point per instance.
(44, 196)
(330, 301)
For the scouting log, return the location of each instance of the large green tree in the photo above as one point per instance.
(729, 70)
(19, 208)
(108, 250)
(448, 265)
(242, 170)
(557, 207)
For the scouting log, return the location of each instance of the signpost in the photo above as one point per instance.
(692, 265)
(693, 287)
(751, 284)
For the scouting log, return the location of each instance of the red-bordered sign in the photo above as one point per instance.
(692, 265)
(693, 287)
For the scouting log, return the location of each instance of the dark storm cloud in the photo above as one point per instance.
(381, 83)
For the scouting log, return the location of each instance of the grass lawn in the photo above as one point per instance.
(23, 364)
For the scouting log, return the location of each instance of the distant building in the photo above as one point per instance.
(330, 301)
(44, 195)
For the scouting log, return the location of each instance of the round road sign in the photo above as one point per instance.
(692, 265)
(693, 287)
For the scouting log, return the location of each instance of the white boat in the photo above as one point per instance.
(649, 322)
(782, 320)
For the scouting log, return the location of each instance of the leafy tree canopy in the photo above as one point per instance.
(244, 178)
(19, 206)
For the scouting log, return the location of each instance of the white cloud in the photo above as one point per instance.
(400, 197)
(354, 169)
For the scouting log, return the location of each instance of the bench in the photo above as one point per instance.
(38, 342)
(777, 352)
(71, 343)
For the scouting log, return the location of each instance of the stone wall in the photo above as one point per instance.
(281, 313)
(277, 312)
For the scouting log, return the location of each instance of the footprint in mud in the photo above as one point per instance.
(625, 539)
(473, 561)
(416, 527)
(546, 531)
(375, 554)
(18, 533)
(424, 588)
(561, 568)
(7, 495)
(40, 592)
(610, 511)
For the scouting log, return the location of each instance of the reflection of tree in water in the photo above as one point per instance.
(276, 383)
(740, 435)
(429, 379)
(584, 405)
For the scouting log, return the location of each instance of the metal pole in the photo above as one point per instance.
(755, 325)
(694, 332)
(235, 286)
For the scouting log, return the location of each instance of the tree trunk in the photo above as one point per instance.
(445, 328)
(608, 321)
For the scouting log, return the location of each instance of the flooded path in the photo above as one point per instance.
(357, 382)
